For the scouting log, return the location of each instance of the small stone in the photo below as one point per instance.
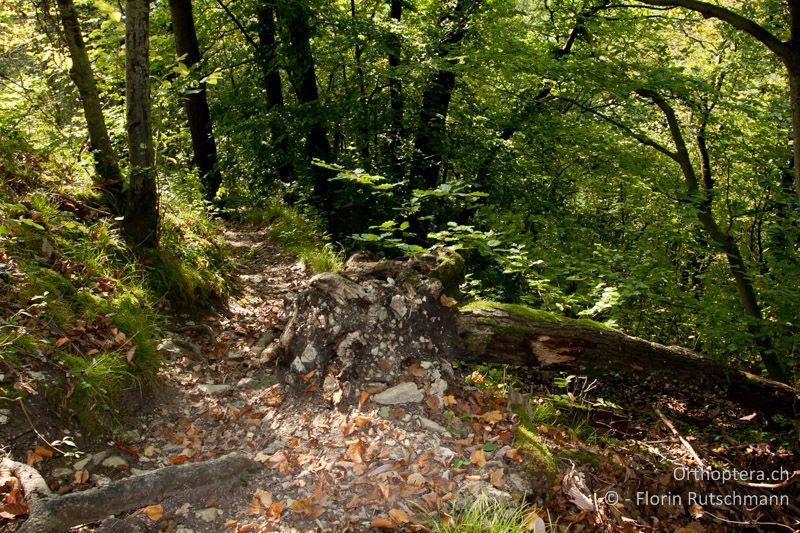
(425, 364)
(209, 514)
(115, 461)
(438, 387)
(398, 305)
(60, 473)
(403, 393)
(80, 465)
(246, 383)
(214, 389)
(183, 510)
(433, 426)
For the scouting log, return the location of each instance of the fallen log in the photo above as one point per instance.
(517, 335)
(49, 513)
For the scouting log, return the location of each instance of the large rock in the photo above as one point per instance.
(364, 323)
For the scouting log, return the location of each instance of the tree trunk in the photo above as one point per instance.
(394, 46)
(141, 215)
(273, 87)
(200, 127)
(105, 160)
(296, 17)
(794, 96)
(497, 335)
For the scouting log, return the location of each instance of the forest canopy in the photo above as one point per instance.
(629, 162)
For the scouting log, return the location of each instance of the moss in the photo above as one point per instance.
(540, 462)
(526, 313)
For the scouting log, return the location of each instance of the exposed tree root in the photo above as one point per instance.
(50, 513)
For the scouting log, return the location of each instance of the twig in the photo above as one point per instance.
(33, 428)
(752, 523)
(780, 485)
(684, 442)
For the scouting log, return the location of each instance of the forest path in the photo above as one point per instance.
(349, 468)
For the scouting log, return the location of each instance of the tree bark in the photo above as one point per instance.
(267, 54)
(204, 146)
(787, 51)
(429, 141)
(105, 160)
(58, 513)
(496, 335)
(295, 17)
(141, 214)
(394, 45)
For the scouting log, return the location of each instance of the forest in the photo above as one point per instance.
(608, 190)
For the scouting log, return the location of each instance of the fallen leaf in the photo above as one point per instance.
(416, 479)
(254, 509)
(81, 477)
(154, 512)
(450, 400)
(748, 418)
(362, 398)
(493, 417)
(178, 459)
(399, 516)
(43, 452)
(534, 522)
(382, 523)
(362, 421)
(60, 342)
(496, 478)
(275, 510)
(264, 497)
(478, 458)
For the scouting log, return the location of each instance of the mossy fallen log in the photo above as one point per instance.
(518, 335)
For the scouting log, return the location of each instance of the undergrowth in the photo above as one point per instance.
(298, 233)
(78, 311)
(487, 515)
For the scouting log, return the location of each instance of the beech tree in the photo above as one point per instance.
(141, 213)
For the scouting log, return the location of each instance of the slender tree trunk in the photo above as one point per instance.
(295, 16)
(267, 53)
(394, 45)
(702, 200)
(141, 214)
(794, 96)
(203, 144)
(362, 115)
(106, 164)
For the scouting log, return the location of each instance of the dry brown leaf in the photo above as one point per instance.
(382, 523)
(478, 458)
(230, 523)
(493, 417)
(354, 452)
(496, 478)
(81, 477)
(178, 459)
(264, 497)
(416, 479)
(362, 398)
(362, 421)
(399, 516)
(450, 400)
(154, 512)
(514, 454)
(43, 452)
(255, 508)
(275, 511)
(61, 341)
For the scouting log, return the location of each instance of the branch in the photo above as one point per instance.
(238, 24)
(626, 129)
(739, 22)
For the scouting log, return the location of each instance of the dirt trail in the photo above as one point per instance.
(324, 469)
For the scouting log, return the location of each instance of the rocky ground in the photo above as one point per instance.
(387, 456)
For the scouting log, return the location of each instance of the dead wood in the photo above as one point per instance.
(496, 335)
(48, 513)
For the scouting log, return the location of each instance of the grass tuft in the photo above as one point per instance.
(485, 515)
(298, 233)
